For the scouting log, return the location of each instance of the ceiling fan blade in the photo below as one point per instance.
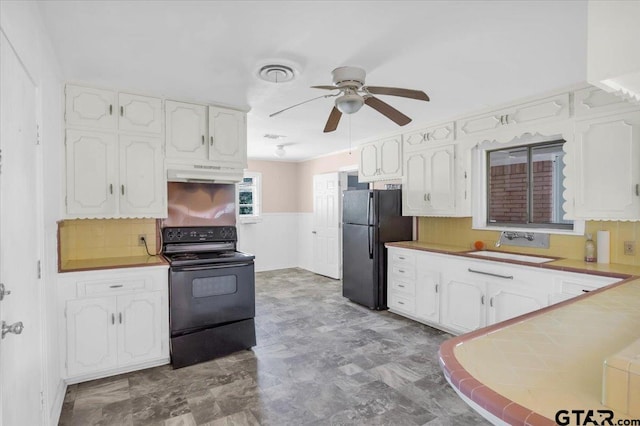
(332, 122)
(396, 91)
(325, 87)
(387, 110)
(301, 103)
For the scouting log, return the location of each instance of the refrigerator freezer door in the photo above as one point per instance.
(359, 270)
(358, 207)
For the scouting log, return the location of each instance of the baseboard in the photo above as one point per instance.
(58, 401)
(116, 371)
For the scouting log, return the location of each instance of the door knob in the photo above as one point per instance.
(3, 291)
(15, 328)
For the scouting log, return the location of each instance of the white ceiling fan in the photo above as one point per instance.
(352, 94)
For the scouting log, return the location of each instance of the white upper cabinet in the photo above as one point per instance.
(547, 109)
(427, 137)
(89, 107)
(91, 173)
(429, 187)
(142, 183)
(186, 130)
(381, 160)
(605, 176)
(140, 113)
(227, 137)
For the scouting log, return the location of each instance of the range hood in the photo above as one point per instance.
(202, 173)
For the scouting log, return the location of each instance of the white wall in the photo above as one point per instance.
(273, 240)
(22, 24)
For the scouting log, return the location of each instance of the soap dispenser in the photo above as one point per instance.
(589, 249)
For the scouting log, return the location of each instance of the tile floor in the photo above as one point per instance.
(320, 360)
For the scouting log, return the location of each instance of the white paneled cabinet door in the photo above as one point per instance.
(390, 158)
(89, 107)
(463, 302)
(327, 246)
(368, 162)
(91, 335)
(414, 188)
(140, 113)
(91, 176)
(139, 321)
(607, 168)
(227, 137)
(186, 130)
(440, 180)
(506, 301)
(142, 185)
(427, 291)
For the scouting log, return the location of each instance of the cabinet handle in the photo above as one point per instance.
(110, 188)
(400, 303)
(637, 189)
(211, 140)
(491, 274)
(122, 189)
(436, 288)
(482, 300)
(115, 286)
(400, 285)
(121, 111)
(401, 271)
(586, 291)
(428, 136)
(110, 109)
(401, 257)
(202, 139)
(491, 302)
(424, 197)
(120, 317)
(429, 196)
(506, 119)
(113, 319)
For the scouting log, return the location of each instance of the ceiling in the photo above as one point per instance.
(465, 55)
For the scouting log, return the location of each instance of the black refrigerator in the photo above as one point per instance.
(370, 218)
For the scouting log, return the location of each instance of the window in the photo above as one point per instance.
(249, 195)
(525, 186)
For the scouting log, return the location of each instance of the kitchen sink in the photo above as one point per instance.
(510, 256)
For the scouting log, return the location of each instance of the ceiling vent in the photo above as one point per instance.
(274, 73)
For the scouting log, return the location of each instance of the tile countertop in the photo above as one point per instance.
(111, 263)
(524, 370)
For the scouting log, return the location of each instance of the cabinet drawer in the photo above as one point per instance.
(402, 286)
(403, 259)
(402, 303)
(404, 271)
(114, 286)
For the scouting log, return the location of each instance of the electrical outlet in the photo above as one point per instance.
(630, 248)
(141, 239)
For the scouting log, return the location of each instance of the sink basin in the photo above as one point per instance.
(510, 256)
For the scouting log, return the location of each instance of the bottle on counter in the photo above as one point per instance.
(589, 249)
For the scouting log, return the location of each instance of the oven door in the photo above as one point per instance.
(204, 296)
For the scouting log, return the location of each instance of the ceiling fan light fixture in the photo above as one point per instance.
(280, 152)
(349, 103)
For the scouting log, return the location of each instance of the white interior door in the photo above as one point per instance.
(20, 355)
(327, 247)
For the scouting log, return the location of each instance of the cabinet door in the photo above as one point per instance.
(555, 107)
(427, 288)
(481, 123)
(423, 138)
(414, 186)
(591, 101)
(186, 130)
(390, 158)
(140, 328)
(508, 301)
(227, 137)
(368, 168)
(91, 175)
(440, 180)
(91, 335)
(88, 107)
(142, 181)
(463, 302)
(606, 165)
(140, 113)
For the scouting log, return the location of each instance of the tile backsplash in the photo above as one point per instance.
(458, 232)
(103, 238)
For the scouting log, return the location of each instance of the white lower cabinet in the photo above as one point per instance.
(459, 295)
(114, 321)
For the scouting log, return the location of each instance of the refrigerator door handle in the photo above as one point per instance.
(370, 241)
(369, 206)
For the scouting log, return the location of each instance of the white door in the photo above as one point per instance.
(427, 297)
(142, 183)
(414, 189)
(327, 247)
(140, 113)
(186, 130)
(368, 162)
(89, 107)
(227, 137)
(507, 301)
(20, 355)
(463, 303)
(139, 327)
(440, 182)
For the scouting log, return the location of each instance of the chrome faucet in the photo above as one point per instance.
(509, 235)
